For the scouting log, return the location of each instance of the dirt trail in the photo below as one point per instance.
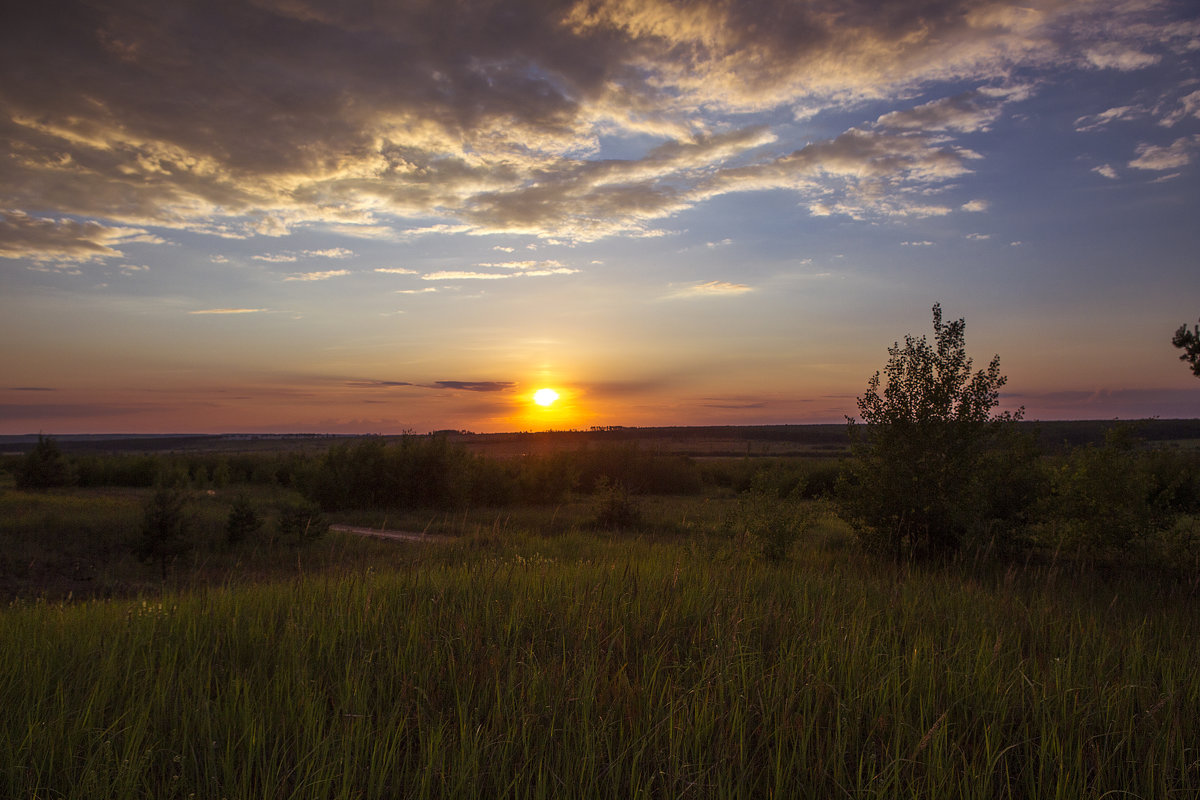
(400, 536)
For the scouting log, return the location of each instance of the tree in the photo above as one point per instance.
(164, 526)
(44, 467)
(929, 425)
(1189, 343)
(243, 521)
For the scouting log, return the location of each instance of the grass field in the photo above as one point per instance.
(593, 665)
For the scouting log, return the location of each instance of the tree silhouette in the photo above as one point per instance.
(1189, 343)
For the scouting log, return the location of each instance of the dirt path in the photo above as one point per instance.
(400, 536)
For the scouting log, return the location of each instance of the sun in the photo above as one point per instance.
(545, 397)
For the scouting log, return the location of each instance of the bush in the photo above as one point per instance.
(614, 508)
(769, 525)
(919, 465)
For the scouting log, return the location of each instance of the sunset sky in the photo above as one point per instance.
(302, 216)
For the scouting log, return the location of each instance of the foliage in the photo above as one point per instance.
(298, 523)
(243, 521)
(44, 467)
(416, 472)
(1189, 343)
(640, 471)
(763, 524)
(164, 527)
(927, 434)
(1117, 500)
(614, 508)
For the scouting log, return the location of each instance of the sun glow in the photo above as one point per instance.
(545, 397)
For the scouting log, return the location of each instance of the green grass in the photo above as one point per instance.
(592, 665)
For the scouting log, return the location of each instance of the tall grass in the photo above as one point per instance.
(589, 667)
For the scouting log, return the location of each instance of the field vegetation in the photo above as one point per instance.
(953, 609)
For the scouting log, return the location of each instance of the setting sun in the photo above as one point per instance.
(545, 397)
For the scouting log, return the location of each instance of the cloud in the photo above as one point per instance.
(469, 275)
(1166, 157)
(979, 236)
(318, 276)
(400, 120)
(463, 275)
(1106, 170)
(735, 404)
(282, 258)
(964, 113)
(475, 386)
(44, 239)
(1188, 106)
(1119, 56)
(395, 271)
(426, 290)
(712, 289)
(917, 244)
(1095, 122)
(228, 311)
(377, 384)
(975, 206)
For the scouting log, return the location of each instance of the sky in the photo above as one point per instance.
(379, 217)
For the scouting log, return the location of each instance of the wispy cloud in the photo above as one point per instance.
(1165, 157)
(712, 289)
(475, 386)
(471, 275)
(228, 311)
(377, 384)
(318, 276)
(396, 271)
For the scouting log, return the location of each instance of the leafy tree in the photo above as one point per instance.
(1189, 343)
(44, 467)
(929, 425)
(164, 526)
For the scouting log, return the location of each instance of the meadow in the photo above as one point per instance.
(549, 651)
